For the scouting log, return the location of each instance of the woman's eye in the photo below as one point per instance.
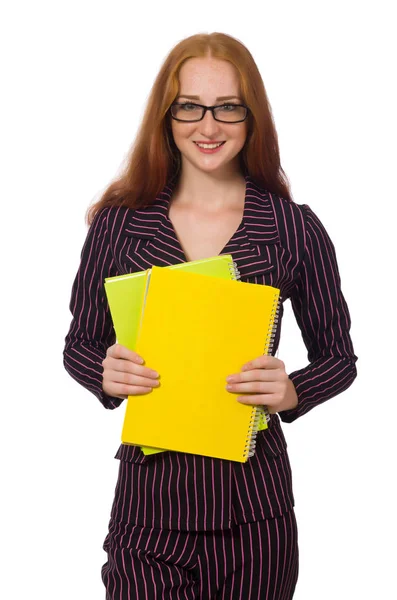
(188, 106)
(228, 107)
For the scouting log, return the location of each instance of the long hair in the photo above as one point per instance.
(154, 158)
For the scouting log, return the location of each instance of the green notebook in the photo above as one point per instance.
(125, 295)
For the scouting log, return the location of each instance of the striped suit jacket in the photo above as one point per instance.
(279, 243)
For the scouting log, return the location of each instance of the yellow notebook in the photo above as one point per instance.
(125, 293)
(196, 330)
(125, 297)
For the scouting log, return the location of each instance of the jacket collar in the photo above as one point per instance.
(158, 244)
(258, 223)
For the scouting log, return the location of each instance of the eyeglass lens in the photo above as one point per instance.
(228, 113)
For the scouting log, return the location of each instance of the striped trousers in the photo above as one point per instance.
(251, 561)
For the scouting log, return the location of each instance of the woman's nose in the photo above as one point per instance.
(208, 126)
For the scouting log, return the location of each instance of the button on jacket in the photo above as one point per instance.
(279, 243)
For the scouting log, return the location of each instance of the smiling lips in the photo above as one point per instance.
(209, 148)
(208, 144)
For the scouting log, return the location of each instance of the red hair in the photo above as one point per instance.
(154, 158)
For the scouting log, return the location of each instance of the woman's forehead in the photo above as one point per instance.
(202, 75)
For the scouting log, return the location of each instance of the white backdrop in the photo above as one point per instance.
(77, 76)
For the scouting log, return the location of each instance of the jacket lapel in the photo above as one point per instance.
(257, 230)
(156, 242)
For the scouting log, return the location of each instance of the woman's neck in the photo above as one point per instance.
(196, 188)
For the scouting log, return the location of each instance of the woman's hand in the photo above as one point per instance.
(266, 382)
(124, 375)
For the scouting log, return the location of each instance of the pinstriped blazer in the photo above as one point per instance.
(279, 243)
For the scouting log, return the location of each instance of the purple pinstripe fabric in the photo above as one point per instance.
(252, 561)
(279, 243)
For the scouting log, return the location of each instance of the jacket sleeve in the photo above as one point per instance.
(323, 318)
(91, 330)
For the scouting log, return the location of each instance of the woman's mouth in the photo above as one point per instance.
(209, 148)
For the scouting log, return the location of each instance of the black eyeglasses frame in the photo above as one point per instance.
(211, 108)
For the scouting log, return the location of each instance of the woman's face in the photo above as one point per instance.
(209, 81)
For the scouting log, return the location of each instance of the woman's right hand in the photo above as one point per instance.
(124, 375)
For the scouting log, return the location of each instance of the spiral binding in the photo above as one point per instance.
(235, 273)
(274, 318)
(249, 448)
(271, 334)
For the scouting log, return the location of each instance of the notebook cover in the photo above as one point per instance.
(125, 293)
(125, 297)
(195, 331)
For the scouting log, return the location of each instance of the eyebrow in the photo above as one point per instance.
(219, 97)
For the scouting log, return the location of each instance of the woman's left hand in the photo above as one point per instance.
(266, 382)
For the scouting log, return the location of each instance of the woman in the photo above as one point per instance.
(204, 178)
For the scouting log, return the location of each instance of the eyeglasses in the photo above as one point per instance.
(225, 113)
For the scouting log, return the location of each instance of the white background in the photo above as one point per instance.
(76, 76)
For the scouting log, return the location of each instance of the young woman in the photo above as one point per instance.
(204, 178)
